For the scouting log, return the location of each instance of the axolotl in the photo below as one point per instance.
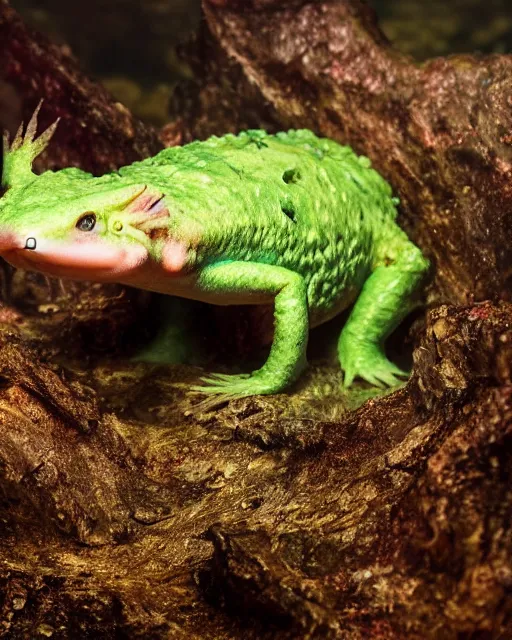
(289, 219)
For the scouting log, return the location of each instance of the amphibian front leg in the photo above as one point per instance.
(245, 281)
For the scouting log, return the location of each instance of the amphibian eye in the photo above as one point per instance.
(86, 222)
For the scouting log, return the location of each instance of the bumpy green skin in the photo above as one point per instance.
(289, 218)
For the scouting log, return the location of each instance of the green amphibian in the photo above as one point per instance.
(289, 219)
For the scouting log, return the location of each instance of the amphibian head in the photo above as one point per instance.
(69, 223)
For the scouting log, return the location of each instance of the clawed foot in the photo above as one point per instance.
(222, 387)
(369, 362)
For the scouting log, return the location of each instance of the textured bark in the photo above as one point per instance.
(125, 513)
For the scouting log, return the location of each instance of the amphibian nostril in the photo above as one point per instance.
(30, 243)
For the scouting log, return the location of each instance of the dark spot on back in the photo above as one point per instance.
(289, 211)
(291, 176)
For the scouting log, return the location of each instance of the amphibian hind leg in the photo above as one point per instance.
(175, 342)
(386, 298)
(287, 356)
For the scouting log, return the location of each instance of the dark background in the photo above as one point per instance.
(130, 45)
